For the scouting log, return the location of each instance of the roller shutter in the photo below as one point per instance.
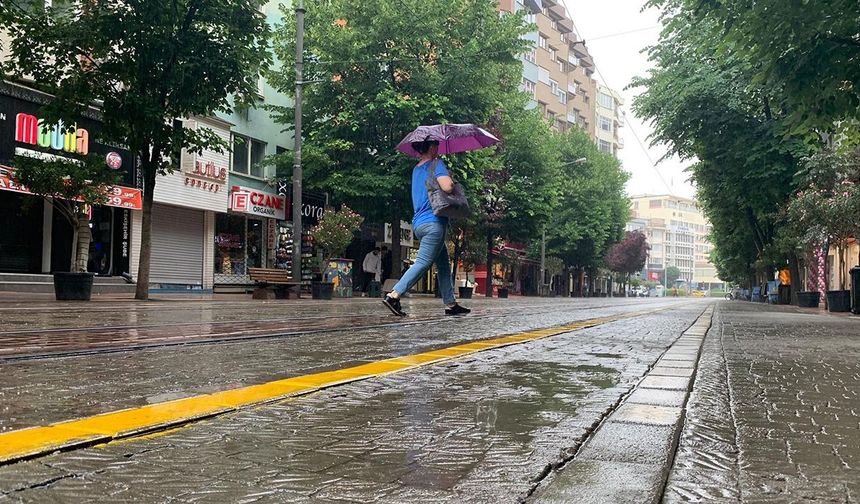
(177, 245)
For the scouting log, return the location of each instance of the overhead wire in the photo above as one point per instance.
(639, 141)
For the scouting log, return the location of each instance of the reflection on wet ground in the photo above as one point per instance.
(480, 429)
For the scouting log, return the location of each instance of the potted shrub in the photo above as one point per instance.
(824, 213)
(73, 186)
(333, 234)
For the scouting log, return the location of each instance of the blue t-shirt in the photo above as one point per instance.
(420, 200)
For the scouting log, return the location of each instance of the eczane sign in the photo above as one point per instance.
(255, 202)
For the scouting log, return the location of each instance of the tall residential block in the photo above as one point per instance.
(558, 72)
(609, 119)
(677, 231)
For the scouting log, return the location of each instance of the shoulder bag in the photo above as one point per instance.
(453, 205)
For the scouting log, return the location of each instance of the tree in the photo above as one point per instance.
(72, 185)
(806, 53)
(705, 105)
(147, 64)
(593, 207)
(382, 67)
(672, 274)
(629, 255)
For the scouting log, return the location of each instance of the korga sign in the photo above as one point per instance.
(254, 202)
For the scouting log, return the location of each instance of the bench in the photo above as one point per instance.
(273, 283)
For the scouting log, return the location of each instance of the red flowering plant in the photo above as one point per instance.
(825, 211)
(336, 230)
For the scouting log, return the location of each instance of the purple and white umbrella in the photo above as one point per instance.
(452, 138)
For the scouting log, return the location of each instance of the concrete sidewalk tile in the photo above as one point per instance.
(627, 442)
(677, 361)
(647, 414)
(658, 397)
(666, 382)
(600, 482)
(671, 371)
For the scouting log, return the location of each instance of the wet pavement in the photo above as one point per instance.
(484, 428)
(775, 412)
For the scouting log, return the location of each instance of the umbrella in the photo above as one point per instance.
(452, 138)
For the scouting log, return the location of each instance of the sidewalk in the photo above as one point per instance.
(775, 412)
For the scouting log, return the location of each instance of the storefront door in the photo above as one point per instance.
(21, 233)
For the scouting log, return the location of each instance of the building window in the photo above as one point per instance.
(551, 53)
(542, 41)
(605, 146)
(562, 97)
(606, 101)
(531, 56)
(543, 75)
(528, 86)
(248, 155)
(606, 124)
(655, 203)
(553, 87)
(554, 25)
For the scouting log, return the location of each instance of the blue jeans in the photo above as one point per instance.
(432, 250)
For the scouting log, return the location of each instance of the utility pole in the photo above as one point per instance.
(542, 263)
(297, 152)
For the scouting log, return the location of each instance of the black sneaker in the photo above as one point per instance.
(393, 305)
(457, 310)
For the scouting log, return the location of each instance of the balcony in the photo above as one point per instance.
(535, 6)
(565, 25)
(556, 12)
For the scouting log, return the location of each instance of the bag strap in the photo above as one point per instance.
(431, 183)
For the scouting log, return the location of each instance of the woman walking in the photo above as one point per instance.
(431, 230)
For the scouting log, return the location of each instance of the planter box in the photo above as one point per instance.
(466, 292)
(73, 286)
(839, 301)
(322, 290)
(809, 299)
(338, 272)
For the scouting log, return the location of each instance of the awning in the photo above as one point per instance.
(118, 196)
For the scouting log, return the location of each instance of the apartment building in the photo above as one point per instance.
(608, 120)
(558, 72)
(678, 234)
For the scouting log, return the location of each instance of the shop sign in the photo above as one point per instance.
(118, 196)
(406, 238)
(206, 176)
(313, 205)
(31, 130)
(254, 202)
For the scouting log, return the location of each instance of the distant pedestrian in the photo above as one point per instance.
(430, 230)
(386, 263)
(372, 267)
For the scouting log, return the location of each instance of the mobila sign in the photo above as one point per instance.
(31, 130)
(254, 202)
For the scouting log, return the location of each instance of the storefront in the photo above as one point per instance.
(35, 238)
(248, 236)
(183, 216)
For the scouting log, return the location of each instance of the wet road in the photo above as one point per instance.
(483, 428)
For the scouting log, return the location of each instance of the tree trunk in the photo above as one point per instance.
(142, 290)
(489, 288)
(396, 247)
(458, 250)
(794, 271)
(84, 237)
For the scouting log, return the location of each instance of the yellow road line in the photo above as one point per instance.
(134, 422)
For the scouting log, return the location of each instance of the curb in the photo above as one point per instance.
(629, 456)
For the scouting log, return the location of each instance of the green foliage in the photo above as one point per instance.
(672, 274)
(705, 103)
(335, 230)
(71, 183)
(384, 67)
(592, 209)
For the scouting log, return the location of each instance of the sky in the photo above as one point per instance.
(619, 59)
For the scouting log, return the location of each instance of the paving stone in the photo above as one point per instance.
(666, 382)
(658, 397)
(647, 414)
(601, 482)
(671, 371)
(626, 442)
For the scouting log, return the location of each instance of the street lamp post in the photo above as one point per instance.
(297, 152)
